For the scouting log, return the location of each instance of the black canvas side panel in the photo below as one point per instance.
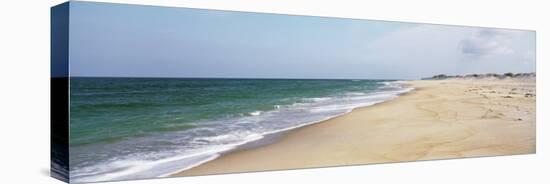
(59, 92)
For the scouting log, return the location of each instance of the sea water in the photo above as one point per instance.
(132, 128)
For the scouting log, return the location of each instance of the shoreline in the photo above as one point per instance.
(270, 126)
(461, 119)
(273, 137)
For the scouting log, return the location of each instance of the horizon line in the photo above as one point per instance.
(267, 78)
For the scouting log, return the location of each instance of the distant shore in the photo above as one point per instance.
(440, 119)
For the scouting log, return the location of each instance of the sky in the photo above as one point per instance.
(116, 40)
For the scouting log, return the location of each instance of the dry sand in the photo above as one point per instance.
(438, 120)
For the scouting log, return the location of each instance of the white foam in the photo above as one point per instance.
(318, 99)
(255, 113)
(135, 169)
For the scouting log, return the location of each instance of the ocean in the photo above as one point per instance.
(132, 128)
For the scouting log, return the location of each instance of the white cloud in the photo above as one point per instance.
(492, 42)
(426, 50)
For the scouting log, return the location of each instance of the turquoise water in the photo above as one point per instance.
(147, 127)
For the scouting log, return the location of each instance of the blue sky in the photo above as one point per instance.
(148, 41)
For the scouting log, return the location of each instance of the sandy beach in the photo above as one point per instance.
(440, 119)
